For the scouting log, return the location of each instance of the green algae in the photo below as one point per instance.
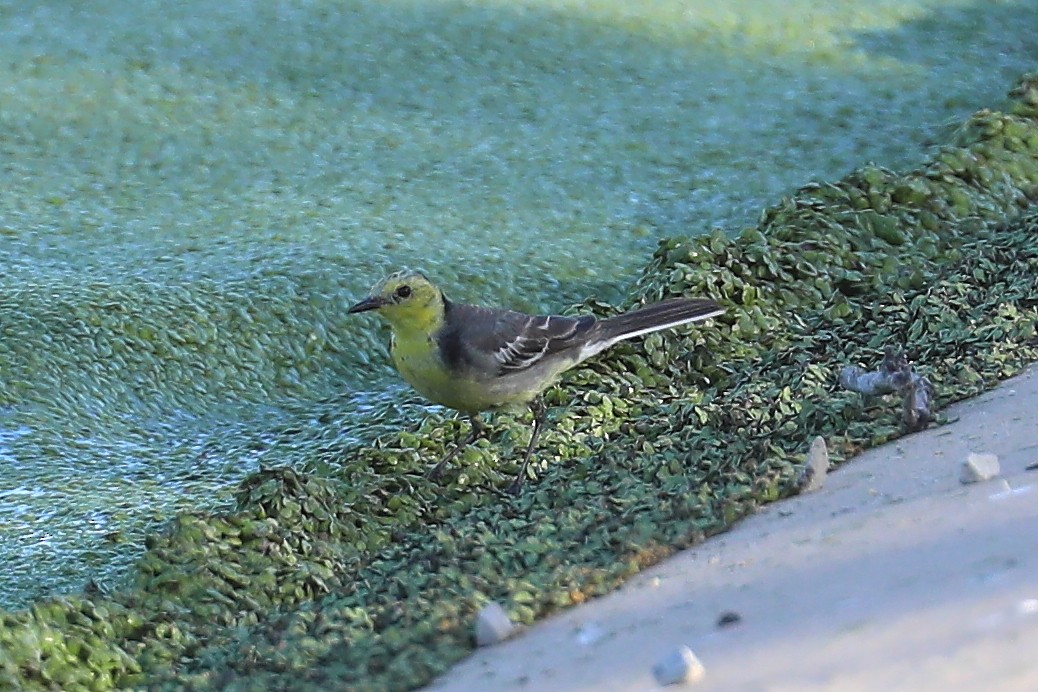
(191, 192)
(354, 571)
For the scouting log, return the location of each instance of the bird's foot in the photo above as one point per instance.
(477, 432)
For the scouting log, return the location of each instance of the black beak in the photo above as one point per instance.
(369, 303)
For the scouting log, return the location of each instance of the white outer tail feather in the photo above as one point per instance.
(593, 348)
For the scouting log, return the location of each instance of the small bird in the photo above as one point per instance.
(474, 359)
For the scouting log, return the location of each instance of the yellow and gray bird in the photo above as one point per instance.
(474, 359)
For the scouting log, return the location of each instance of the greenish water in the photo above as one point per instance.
(190, 194)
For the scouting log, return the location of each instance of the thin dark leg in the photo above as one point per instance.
(539, 410)
(477, 432)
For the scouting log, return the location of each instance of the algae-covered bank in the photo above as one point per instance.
(193, 192)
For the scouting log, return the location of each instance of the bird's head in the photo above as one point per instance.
(406, 299)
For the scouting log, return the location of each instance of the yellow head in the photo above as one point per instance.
(407, 300)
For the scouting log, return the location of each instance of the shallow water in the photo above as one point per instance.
(192, 194)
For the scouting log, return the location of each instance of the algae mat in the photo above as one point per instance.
(190, 192)
(355, 572)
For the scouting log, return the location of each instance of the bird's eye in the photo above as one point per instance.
(403, 292)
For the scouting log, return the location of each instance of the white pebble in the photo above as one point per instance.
(979, 467)
(590, 634)
(812, 477)
(493, 625)
(1028, 606)
(677, 667)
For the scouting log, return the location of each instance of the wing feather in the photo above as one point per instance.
(506, 342)
(522, 348)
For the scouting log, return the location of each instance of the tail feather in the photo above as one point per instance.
(651, 318)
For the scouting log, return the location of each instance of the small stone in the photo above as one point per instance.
(493, 625)
(590, 634)
(1028, 606)
(812, 476)
(979, 467)
(728, 618)
(677, 667)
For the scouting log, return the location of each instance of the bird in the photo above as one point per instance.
(474, 359)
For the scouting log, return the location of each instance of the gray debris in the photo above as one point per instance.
(728, 618)
(895, 375)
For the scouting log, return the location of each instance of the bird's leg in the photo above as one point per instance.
(539, 411)
(477, 432)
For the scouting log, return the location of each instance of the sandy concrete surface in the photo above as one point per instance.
(893, 576)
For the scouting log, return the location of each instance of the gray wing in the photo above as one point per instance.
(503, 342)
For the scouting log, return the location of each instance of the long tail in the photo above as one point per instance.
(651, 318)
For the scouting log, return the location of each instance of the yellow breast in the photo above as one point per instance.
(417, 359)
